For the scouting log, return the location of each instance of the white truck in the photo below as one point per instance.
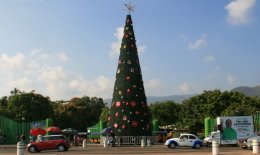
(231, 130)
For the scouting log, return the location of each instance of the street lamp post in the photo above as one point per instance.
(256, 120)
(22, 124)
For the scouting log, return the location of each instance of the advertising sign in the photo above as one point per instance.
(236, 127)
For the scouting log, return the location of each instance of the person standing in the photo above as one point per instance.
(22, 137)
(17, 137)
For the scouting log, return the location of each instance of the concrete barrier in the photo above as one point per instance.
(105, 141)
(148, 142)
(20, 148)
(215, 148)
(142, 142)
(84, 145)
(255, 146)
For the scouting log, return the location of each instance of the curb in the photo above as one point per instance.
(7, 147)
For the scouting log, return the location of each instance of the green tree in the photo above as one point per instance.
(104, 114)
(165, 112)
(29, 106)
(3, 106)
(79, 113)
(129, 114)
(213, 104)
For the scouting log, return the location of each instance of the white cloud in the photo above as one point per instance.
(239, 11)
(8, 63)
(100, 86)
(115, 46)
(52, 73)
(63, 56)
(153, 83)
(184, 37)
(200, 42)
(141, 49)
(185, 87)
(231, 79)
(209, 58)
(39, 55)
(23, 82)
(27, 73)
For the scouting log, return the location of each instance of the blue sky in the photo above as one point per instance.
(70, 48)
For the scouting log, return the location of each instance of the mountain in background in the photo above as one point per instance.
(174, 98)
(153, 99)
(248, 91)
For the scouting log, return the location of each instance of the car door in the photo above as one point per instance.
(191, 140)
(44, 144)
(184, 140)
(56, 140)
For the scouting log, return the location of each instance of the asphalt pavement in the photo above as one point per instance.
(130, 150)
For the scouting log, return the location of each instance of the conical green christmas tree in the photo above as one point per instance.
(129, 114)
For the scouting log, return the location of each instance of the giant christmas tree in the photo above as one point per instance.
(129, 112)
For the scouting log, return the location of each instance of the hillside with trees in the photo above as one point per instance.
(79, 113)
(248, 91)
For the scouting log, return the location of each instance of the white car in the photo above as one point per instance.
(248, 143)
(185, 139)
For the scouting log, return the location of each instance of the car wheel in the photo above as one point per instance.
(172, 145)
(209, 144)
(197, 146)
(32, 149)
(61, 148)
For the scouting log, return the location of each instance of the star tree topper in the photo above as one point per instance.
(130, 7)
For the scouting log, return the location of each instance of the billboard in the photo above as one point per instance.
(236, 127)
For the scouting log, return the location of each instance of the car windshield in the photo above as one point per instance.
(210, 134)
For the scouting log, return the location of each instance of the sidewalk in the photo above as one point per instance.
(136, 150)
(13, 146)
(7, 146)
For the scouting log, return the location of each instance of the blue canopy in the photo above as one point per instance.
(106, 131)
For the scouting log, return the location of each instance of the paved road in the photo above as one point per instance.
(134, 150)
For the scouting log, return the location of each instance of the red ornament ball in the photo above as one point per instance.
(118, 104)
(115, 125)
(133, 103)
(134, 123)
(116, 114)
(124, 118)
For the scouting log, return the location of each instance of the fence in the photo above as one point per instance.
(11, 130)
(135, 140)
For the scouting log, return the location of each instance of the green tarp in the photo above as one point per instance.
(11, 130)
